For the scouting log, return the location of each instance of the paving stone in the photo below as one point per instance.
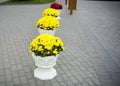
(2, 84)
(23, 79)
(79, 63)
(90, 82)
(83, 68)
(47, 83)
(96, 81)
(69, 83)
(12, 62)
(54, 82)
(25, 84)
(7, 71)
(19, 66)
(16, 80)
(10, 84)
(9, 78)
(62, 84)
(2, 79)
(88, 74)
(15, 73)
(68, 73)
(29, 75)
(21, 72)
(85, 84)
(75, 73)
(83, 75)
(80, 79)
(74, 80)
(1, 66)
(14, 67)
(32, 82)
(6, 65)
(78, 84)
(64, 77)
(59, 78)
(39, 82)
(1, 72)
(26, 69)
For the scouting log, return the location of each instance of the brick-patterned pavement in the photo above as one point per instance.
(91, 38)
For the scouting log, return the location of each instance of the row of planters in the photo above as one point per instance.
(46, 47)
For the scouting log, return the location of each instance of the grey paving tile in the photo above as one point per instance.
(23, 79)
(16, 80)
(32, 82)
(90, 82)
(25, 84)
(54, 82)
(69, 83)
(96, 81)
(14, 67)
(10, 83)
(80, 79)
(64, 77)
(26, 69)
(1, 66)
(39, 82)
(21, 72)
(1, 72)
(59, 78)
(85, 84)
(29, 75)
(79, 63)
(89, 74)
(74, 80)
(8, 71)
(62, 84)
(47, 83)
(8, 78)
(2, 84)
(2, 79)
(83, 75)
(15, 73)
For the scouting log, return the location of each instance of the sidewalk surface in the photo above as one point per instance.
(92, 45)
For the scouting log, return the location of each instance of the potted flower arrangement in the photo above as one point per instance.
(47, 24)
(51, 12)
(45, 49)
(57, 6)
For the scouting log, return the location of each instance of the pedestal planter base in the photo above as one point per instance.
(45, 67)
(45, 73)
(41, 31)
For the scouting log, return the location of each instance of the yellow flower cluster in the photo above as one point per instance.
(48, 23)
(46, 45)
(50, 12)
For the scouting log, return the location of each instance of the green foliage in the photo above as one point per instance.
(20, 0)
(27, 1)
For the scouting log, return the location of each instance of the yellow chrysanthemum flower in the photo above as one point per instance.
(50, 12)
(46, 45)
(48, 23)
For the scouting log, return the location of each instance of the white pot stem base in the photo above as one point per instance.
(45, 73)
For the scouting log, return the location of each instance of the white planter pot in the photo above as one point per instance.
(45, 70)
(41, 31)
(59, 18)
(59, 10)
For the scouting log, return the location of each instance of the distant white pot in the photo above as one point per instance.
(45, 70)
(59, 18)
(42, 31)
(60, 10)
